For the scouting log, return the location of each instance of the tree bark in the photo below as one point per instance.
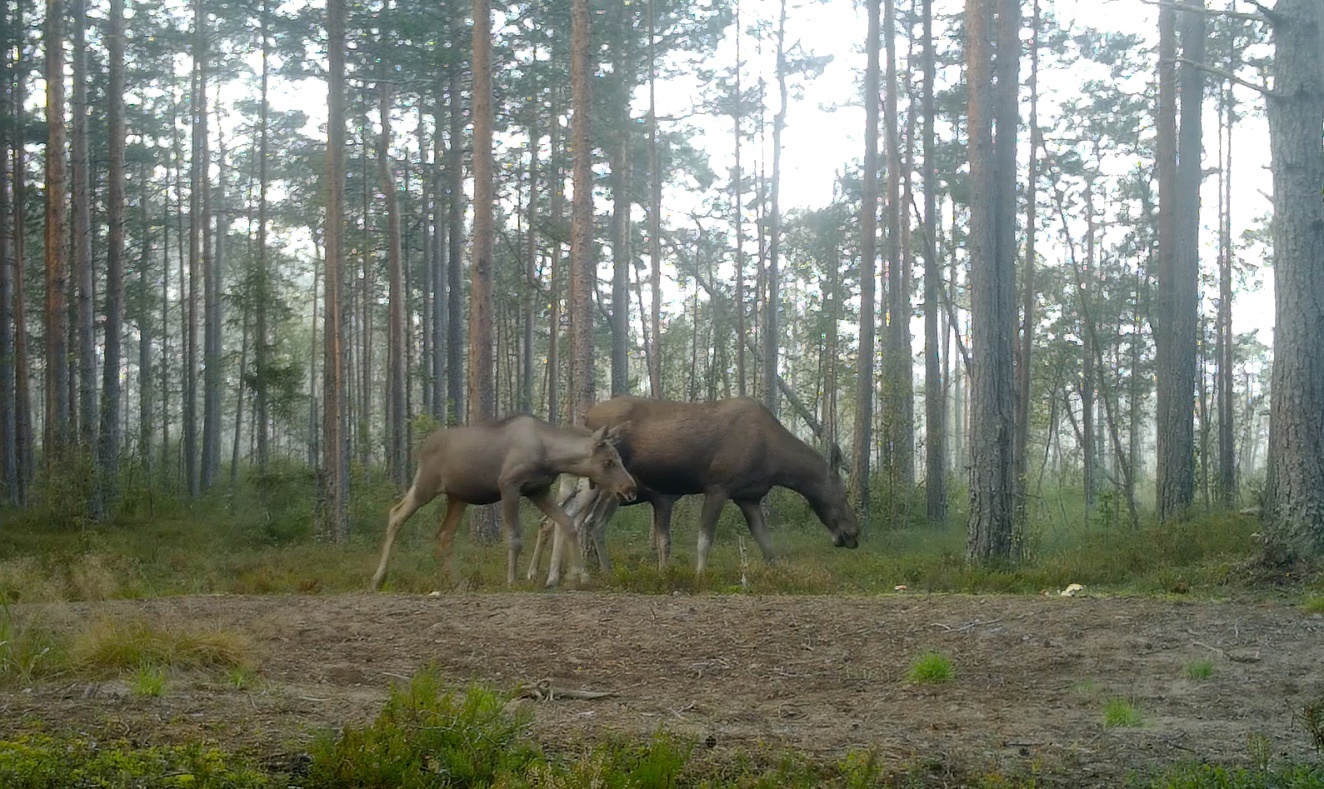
(862, 441)
(1227, 462)
(622, 75)
(771, 332)
(935, 385)
(992, 273)
(82, 240)
(482, 404)
(9, 271)
(57, 433)
(397, 452)
(582, 266)
(334, 474)
(262, 351)
(109, 451)
(654, 214)
(898, 377)
(1294, 489)
(1023, 360)
(455, 367)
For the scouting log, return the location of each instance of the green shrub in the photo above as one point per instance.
(930, 667)
(426, 737)
(1199, 669)
(27, 650)
(38, 761)
(1121, 713)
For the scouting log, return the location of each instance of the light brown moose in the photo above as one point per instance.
(501, 461)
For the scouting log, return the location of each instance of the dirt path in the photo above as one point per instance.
(823, 675)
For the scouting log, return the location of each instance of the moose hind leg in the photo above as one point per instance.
(446, 535)
(597, 514)
(712, 507)
(661, 529)
(400, 513)
(565, 533)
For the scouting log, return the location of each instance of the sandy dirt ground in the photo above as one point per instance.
(820, 675)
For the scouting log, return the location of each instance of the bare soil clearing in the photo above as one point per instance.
(820, 675)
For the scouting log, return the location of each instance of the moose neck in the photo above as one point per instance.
(571, 450)
(804, 471)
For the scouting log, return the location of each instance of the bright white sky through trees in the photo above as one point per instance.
(825, 120)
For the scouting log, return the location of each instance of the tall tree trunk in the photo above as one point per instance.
(82, 239)
(622, 74)
(147, 408)
(935, 384)
(397, 452)
(455, 242)
(1227, 462)
(654, 213)
(213, 253)
(992, 272)
(334, 474)
(557, 188)
(482, 404)
(109, 452)
(262, 349)
(583, 277)
(440, 267)
(530, 296)
(898, 377)
(1089, 448)
(9, 271)
(862, 442)
(197, 179)
(24, 439)
(1175, 467)
(482, 370)
(1294, 490)
(57, 416)
(1023, 360)
(738, 205)
(771, 333)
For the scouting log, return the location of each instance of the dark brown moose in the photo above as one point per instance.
(728, 450)
(501, 461)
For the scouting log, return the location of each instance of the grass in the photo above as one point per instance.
(930, 668)
(1121, 713)
(1199, 670)
(116, 645)
(1313, 604)
(149, 680)
(258, 540)
(28, 651)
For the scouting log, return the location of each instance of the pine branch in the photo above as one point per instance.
(1265, 16)
(1229, 76)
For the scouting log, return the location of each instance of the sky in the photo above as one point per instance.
(825, 119)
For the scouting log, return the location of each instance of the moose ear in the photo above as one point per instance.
(615, 432)
(835, 459)
(600, 436)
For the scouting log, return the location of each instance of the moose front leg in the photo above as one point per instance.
(753, 512)
(510, 496)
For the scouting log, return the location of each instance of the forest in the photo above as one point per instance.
(244, 239)
(1043, 280)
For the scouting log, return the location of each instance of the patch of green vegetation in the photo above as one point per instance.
(1208, 776)
(1313, 604)
(1119, 712)
(28, 651)
(931, 668)
(39, 761)
(149, 680)
(423, 734)
(256, 538)
(112, 644)
(1199, 669)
